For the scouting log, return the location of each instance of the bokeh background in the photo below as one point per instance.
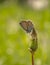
(14, 41)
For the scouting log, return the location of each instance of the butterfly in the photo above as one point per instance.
(27, 26)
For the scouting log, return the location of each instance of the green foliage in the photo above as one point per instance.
(14, 42)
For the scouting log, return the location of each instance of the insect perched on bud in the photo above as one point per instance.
(29, 28)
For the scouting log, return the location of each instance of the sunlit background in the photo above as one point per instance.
(14, 41)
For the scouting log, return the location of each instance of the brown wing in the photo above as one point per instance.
(30, 23)
(27, 26)
(24, 25)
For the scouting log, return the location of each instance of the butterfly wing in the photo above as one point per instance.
(30, 26)
(27, 26)
(24, 25)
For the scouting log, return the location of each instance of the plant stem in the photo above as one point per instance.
(32, 59)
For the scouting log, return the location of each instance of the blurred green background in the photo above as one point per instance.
(14, 41)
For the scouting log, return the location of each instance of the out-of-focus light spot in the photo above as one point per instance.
(10, 44)
(38, 62)
(28, 39)
(9, 51)
(2, 60)
(12, 27)
(44, 39)
(47, 25)
(10, 47)
(38, 4)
